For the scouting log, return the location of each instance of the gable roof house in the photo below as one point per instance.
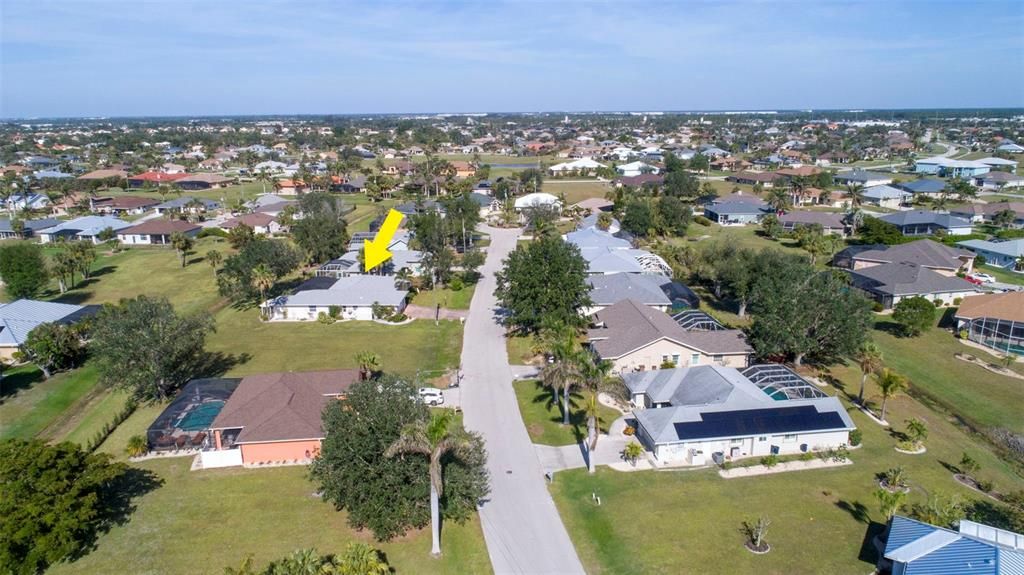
(998, 181)
(120, 205)
(20, 317)
(925, 187)
(830, 222)
(187, 204)
(353, 295)
(655, 291)
(1001, 254)
(28, 228)
(261, 223)
(275, 417)
(736, 210)
(690, 414)
(927, 223)
(886, 196)
(866, 179)
(203, 181)
(635, 337)
(85, 228)
(156, 232)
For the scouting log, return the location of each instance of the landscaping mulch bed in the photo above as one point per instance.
(970, 483)
(764, 548)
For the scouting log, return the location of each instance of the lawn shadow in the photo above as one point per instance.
(890, 327)
(217, 363)
(949, 467)
(948, 319)
(13, 383)
(76, 296)
(117, 503)
(577, 418)
(857, 510)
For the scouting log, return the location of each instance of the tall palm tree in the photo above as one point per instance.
(889, 383)
(214, 258)
(435, 439)
(263, 279)
(778, 199)
(889, 502)
(594, 374)
(263, 177)
(182, 244)
(856, 193)
(562, 370)
(369, 363)
(869, 360)
(917, 431)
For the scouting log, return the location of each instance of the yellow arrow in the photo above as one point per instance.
(375, 251)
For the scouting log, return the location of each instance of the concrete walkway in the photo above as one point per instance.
(421, 312)
(521, 525)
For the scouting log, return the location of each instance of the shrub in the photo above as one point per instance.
(770, 461)
(215, 232)
(806, 456)
(137, 446)
(856, 436)
(668, 364)
(963, 334)
(110, 426)
(456, 284)
(334, 311)
(937, 302)
(877, 307)
(907, 445)
(701, 220)
(323, 318)
(915, 315)
(984, 485)
(957, 301)
(629, 431)
(398, 318)
(968, 465)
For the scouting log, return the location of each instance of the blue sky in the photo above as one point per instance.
(191, 57)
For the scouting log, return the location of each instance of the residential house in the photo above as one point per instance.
(203, 181)
(104, 174)
(655, 291)
(830, 222)
(890, 283)
(156, 232)
(187, 205)
(998, 181)
(275, 418)
(26, 201)
(766, 179)
(28, 227)
(924, 188)
(122, 205)
(916, 548)
(20, 317)
(537, 199)
(635, 169)
(866, 179)
(153, 179)
(697, 414)
(635, 337)
(581, 166)
(999, 164)
(641, 180)
(262, 224)
(87, 228)
(978, 212)
(289, 186)
(994, 320)
(950, 168)
(927, 223)
(736, 210)
(933, 255)
(886, 196)
(1005, 254)
(591, 221)
(353, 296)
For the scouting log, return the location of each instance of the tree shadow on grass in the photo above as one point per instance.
(217, 363)
(577, 418)
(13, 383)
(890, 327)
(76, 296)
(118, 503)
(856, 509)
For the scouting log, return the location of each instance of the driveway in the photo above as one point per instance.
(521, 525)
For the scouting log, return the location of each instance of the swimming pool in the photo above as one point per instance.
(200, 417)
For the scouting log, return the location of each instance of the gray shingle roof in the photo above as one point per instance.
(928, 253)
(360, 290)
(612, 288)
(923, 217)
(630, 325)
(906, 279)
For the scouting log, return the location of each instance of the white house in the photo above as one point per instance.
(695, 415)
(886, 196)
(84, 228)
(635, 169)
(582, 165)
(537, 199)
(156, 232)
(352, 296)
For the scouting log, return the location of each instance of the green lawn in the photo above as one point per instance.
(30, 404)
(246, 191)
(282, 346)
(81, 425)
(543, 419)
(975, 394)
(446, 297)
(577, 191)
(1002, 275)
(201, 522)
(689, 521)
(520, 349)
(153, 271)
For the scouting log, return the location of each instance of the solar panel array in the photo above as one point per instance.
(781, 383)
(803, 419)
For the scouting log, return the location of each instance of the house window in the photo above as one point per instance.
(789, 438)
(675, 359)
(694, 359)
(763, 438)
(736, 440)
(312, 310)
(717, 358)
(664, 359)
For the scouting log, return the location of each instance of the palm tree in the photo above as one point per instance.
(182, 244)
(856, 193)
(369, 363)
(263, 279)
(778, 199)
(361, 559)
(263, 177)
(917, 431)
(435, 439)
(562, 370)
(214, 258)
(594, 373)
(889, 502)
(889, 383)
(869, 360)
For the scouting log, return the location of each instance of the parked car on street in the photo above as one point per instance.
(431, 396)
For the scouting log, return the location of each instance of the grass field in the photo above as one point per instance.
(520, 349)
(543, 419)
(30, 404)
(576, 190)
(446, 297)
(202, 522)
(822, 520)
(1002, 275)
(295, 346)
(973, 393)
